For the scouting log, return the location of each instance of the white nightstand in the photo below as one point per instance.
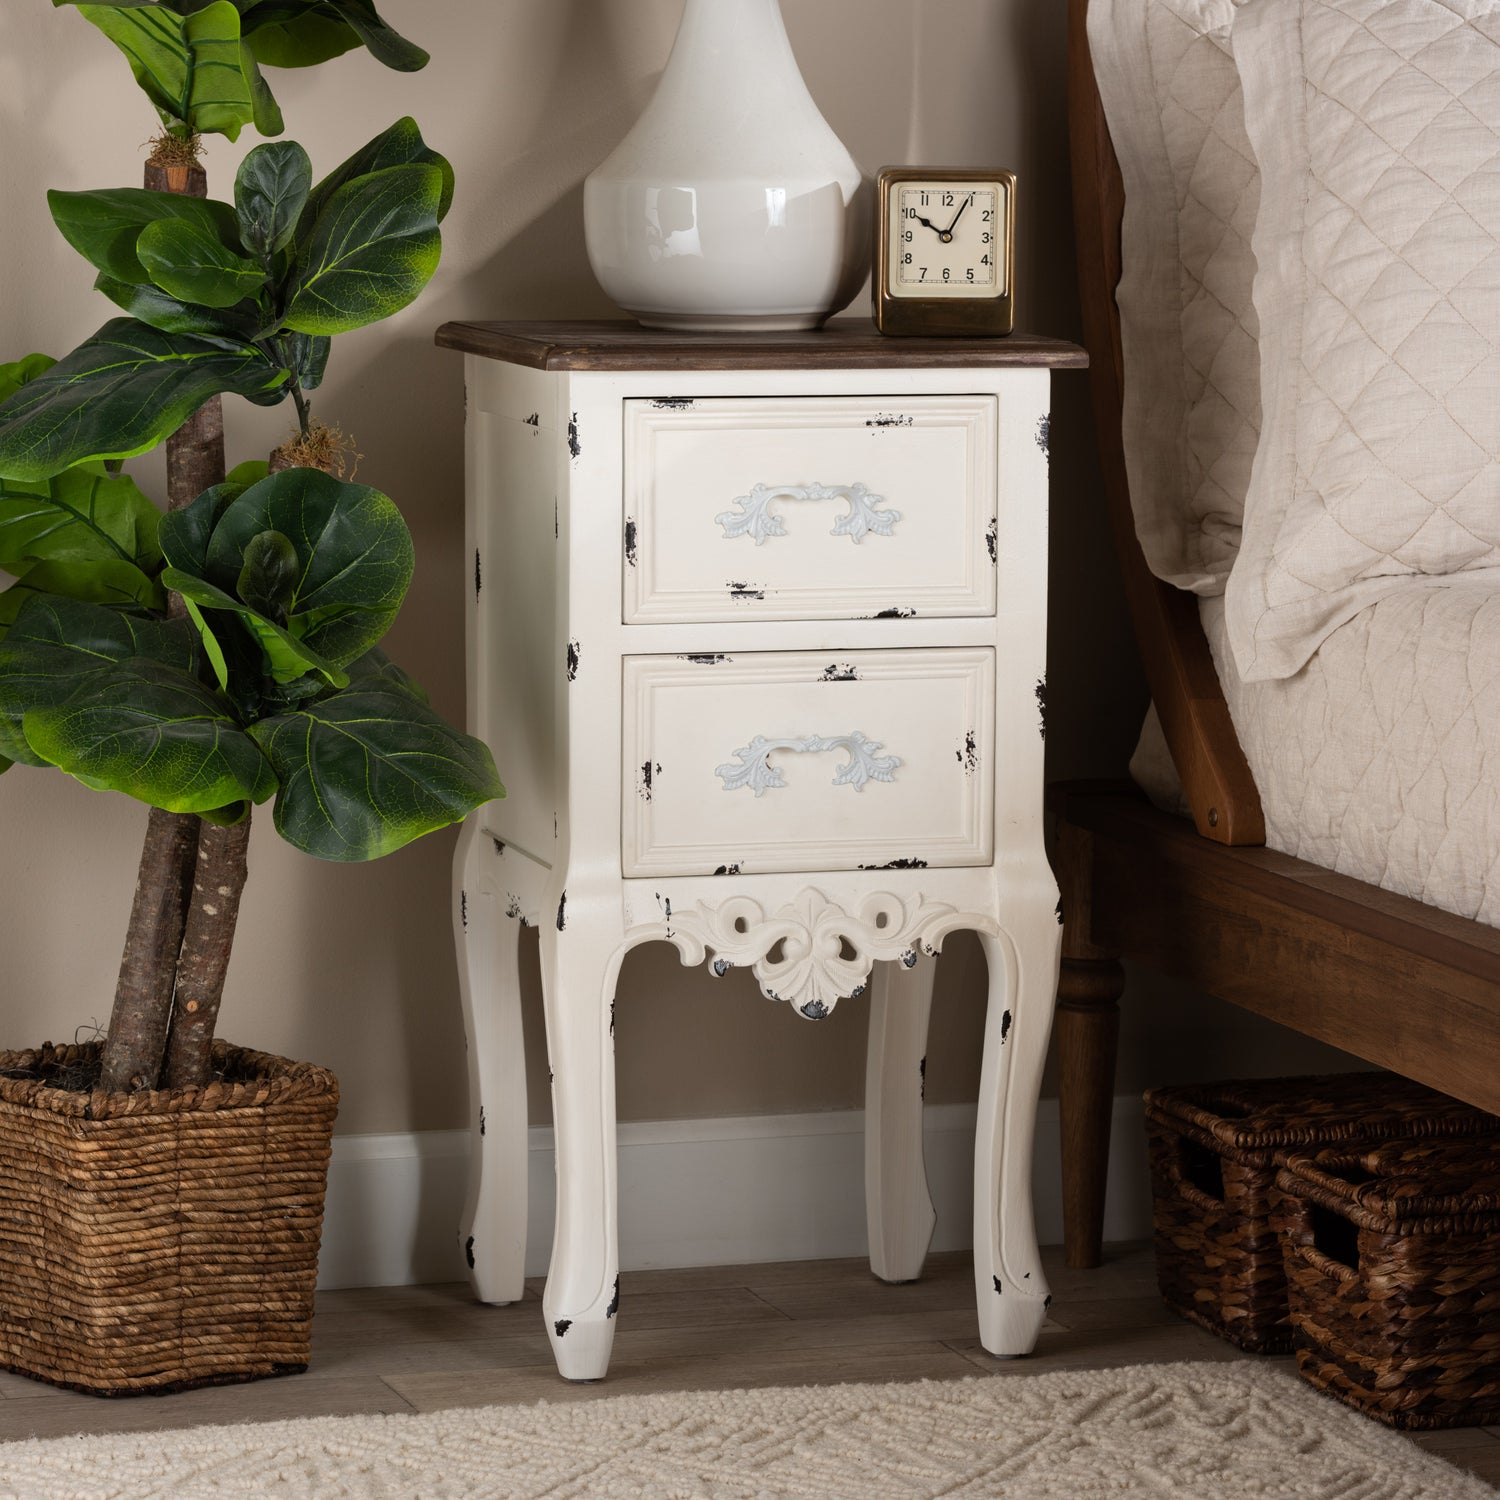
(757, 635)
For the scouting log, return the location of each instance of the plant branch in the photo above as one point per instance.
(140, 1021)
(303, 405)
(213, 912)
(138, 1024)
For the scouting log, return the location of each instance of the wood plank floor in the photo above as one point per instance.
(403, 1349)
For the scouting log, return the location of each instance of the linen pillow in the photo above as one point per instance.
(1378, 292)
(1192, 377)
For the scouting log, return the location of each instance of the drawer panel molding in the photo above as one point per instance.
(809, 508)
(881, 759)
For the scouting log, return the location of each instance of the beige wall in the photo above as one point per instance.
(353, 966)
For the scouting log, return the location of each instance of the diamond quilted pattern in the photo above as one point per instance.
(1376, 125)
(1192, 391)
(1381, 757)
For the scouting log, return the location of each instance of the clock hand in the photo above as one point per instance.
(928, 222)
(947, 234)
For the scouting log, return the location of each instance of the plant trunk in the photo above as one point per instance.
(213, 911)
(138, 1025)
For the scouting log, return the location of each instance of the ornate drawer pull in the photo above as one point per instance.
(756, 771)
(754, 517)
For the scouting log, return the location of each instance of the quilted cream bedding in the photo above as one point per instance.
(1365, 584)
(1381, 758)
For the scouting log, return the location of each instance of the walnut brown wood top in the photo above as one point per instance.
(850, 344)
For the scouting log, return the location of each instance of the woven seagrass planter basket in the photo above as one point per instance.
(156, 1241)
(1215, 1151)
(1393, 1276)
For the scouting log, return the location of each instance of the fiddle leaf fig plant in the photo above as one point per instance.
(199, 61)
(273, 686)
(225, 654)
(84, 532)
(239, 297)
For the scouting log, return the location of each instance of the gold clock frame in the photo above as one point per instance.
(943, 317)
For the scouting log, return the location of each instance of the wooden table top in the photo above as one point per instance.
(848, 344)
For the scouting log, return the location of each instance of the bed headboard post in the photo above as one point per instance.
(1179, 668)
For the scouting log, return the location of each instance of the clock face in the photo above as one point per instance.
(947, 239)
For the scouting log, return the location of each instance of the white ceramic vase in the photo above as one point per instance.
(731, 205)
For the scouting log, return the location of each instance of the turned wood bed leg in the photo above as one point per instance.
(1088, 1029)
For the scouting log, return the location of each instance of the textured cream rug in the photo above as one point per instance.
(1167, 1432)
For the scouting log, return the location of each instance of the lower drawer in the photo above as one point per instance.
(772, 761)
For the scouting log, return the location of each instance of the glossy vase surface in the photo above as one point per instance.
(731, 204)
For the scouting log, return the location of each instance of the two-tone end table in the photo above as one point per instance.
(756, 632)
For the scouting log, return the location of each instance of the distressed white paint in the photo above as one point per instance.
(705, 478)
(899, 1211)
(586, 682)
(931, 710)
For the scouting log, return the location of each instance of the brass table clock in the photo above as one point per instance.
(945, 251)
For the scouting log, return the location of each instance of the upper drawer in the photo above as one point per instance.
(809, 508)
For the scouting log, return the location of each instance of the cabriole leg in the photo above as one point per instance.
(1011, 1291)
(898, 1205)
(493, 1228)
(580, 962)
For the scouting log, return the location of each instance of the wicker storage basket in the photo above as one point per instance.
(1215, 1149)
(1393, 1276)
(156, 1241)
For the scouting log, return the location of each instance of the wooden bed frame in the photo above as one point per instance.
(1403, 985)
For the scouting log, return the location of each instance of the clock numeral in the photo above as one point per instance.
(923, 276)
(984, 260)
(984, 239)
(924, 200)
(970, 273)
(906, 236)
(906, 259)
(946, 273)
(989, 216)
(947, 200)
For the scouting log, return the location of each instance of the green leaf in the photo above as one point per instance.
(81, 516)
(188, 66)
(153, 732)
(265, 110)
(308, 358)
(104, 225)
(268, 580)
(376, 670)
(120, 394)
(354, 551)
(211, 647)
(106, 581)
(372, 249)
(298, 35)
(366, 771)
(55, 641)
(286, 658)
(270, 192)
(192, 267)
(184, 534)
(22, 372)
(399, 146)
(385, 45)
(252, 471)
(227, 328)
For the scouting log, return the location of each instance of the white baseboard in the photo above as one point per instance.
(694, 1192)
